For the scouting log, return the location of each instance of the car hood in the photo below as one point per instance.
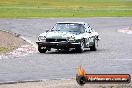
(59, 35)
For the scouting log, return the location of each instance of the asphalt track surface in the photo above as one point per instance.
(114, 54)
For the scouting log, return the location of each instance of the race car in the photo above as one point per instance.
(68, 35)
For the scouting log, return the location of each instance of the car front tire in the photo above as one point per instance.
(41, 50)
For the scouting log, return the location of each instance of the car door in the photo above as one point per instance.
(92, 36)
(88, 35)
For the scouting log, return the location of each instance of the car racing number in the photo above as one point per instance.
(89, 40)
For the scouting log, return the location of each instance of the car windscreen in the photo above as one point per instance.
(69, 27)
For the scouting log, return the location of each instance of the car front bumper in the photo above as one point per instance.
(57, 45)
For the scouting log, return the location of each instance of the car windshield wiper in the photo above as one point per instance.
(55, 30)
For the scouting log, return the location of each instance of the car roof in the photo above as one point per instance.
(71, 22)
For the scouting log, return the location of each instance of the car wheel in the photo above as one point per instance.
(95, 45)
(80, 48)
(41, 50)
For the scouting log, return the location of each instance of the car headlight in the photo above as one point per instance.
(71, 39)
(42, 38)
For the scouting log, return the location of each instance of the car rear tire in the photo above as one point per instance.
(80, 48)
(95, 45)
(41, 50)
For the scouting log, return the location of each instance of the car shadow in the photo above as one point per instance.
(67, 52)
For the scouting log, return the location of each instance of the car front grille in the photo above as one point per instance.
(55, 40)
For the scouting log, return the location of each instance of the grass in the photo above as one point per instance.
(9, 42)
(3, 49)
(65, 8)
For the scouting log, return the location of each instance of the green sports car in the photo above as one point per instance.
(67, 35)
